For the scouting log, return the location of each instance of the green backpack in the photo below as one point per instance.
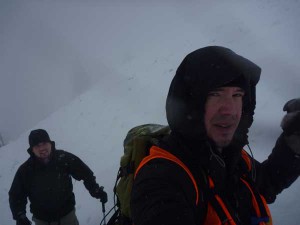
(136, 146)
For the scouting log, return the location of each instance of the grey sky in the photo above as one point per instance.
(52, 51)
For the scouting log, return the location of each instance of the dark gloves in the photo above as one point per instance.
(23, 220)
(291, 121)
(292, 105)
(100, 194)
(291, 124)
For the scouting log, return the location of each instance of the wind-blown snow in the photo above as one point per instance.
(116, 61)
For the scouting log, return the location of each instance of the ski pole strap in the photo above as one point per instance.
(103, 207)
(103, 210)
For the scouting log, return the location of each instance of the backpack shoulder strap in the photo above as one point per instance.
(247, 160)
(156, 152)
(201, 202)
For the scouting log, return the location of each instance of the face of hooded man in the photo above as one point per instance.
(223, 110)
(42, 150)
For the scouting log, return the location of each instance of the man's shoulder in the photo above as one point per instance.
(61, 152)
(164, 169)
(63, 155)
(26, 166)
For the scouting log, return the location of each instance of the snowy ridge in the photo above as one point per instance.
(130, 53)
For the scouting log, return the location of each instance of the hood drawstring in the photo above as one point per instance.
(218, 158)
(223, 164)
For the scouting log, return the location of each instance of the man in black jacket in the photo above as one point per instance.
(46, 179)
(210, 107)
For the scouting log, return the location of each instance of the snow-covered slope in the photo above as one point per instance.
(139, 46)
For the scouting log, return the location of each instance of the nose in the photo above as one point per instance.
(227, 106)
(40, 148)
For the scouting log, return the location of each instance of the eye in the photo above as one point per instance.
(239, 94)
(213, 94)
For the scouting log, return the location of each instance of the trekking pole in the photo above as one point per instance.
(103, 210)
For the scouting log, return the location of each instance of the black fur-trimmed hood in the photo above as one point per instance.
(200, 72)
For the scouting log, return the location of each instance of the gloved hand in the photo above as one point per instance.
(291, 121)
(100, 194)
(291, 124)
(23, 220)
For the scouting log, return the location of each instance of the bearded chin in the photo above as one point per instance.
(225, 142)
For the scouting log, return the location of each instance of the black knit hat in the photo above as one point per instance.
(38, 136)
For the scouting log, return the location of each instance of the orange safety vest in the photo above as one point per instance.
(222, 216)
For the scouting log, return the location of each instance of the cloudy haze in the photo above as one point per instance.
(88, 71)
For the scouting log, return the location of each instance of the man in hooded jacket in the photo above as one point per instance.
(46, 179)
(210, 107)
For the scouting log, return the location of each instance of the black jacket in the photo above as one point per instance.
(162, 192)
(49, 186)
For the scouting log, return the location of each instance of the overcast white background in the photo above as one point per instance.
(88, 71)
